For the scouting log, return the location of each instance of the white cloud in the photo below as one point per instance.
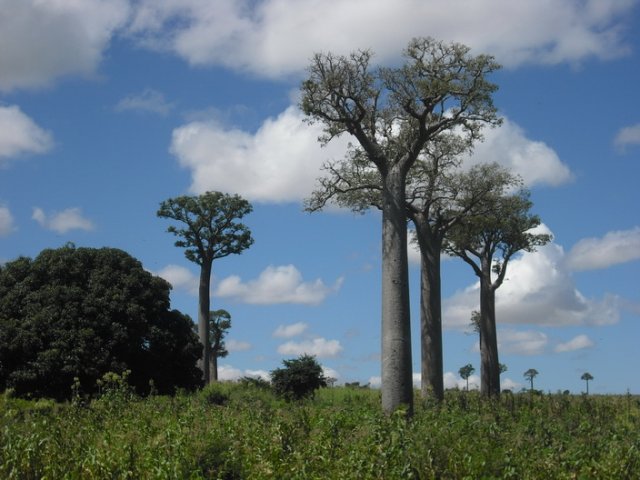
(6, 221)
(319, 347)
(227, 372)
(538, 290)
(277, 37)
(534, 161)
(453, 381)
(181, 278)
(329, 372)
(576, 343)
(627, 136)
(64, 221)
(150, 100)
(20, 135)
(282, 284)
(289, 331)
(614, 248)
(508, 384)
(43, 40)
(237, 346)
(522, 342)
(278, 163)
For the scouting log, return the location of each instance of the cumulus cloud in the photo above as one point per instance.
(289, 331)
(20, 135)
(278, 163)
(237, 345)
(612, 249)
(43, 40)
(64, 221)
(534, 161)
(228, 372)
(627, 136)
(6, 221)
(538, 290)
(277, 37)
(522, 342)
(319, 347)
(180, 278)
(281, 284)
(149, 101)
(576, 343)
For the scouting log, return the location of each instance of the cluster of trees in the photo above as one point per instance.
(73, 314)
(411, 126)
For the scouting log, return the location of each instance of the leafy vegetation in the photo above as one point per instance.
(299, 378)
(73, 314)
(341, 433)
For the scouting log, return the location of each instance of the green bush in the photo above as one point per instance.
(299, 378)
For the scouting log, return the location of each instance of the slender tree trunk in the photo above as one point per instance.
(203, 319)
(490, 366)
(397, 384)
(213, 362)
(430, 311)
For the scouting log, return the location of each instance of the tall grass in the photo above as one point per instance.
(233, 431)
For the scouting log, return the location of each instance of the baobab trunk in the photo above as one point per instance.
(213, 367)
(397, 384)
(490, 366)
(430, 312)
(203, 319)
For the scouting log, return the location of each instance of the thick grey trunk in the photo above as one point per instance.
(430, 311)
(203, 319)
(490, 366)
(397, 385)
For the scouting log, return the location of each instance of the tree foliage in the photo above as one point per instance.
(81, 312)
(299, 378)
(211, 230)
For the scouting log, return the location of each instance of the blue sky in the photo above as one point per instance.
(108, 107)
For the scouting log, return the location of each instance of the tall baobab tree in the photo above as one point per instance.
(211, 231)
(393, 113)
(487, 243)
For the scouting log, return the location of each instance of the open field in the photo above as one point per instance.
(234, 431)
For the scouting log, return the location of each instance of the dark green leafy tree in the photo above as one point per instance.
(392, 114)
(82, 312)
(530, 375)
(219, 325)
(487, 242)
(465, 372)
(587, 377)
(211, 231)
(299, 378)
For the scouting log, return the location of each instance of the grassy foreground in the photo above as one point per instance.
(233, 431)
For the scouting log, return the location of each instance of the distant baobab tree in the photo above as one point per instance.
(465, 372)
(530, 375)
(586, 376)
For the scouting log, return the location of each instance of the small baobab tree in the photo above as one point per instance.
(586, 376)
(530, 375)
(211, 230)
(219, 325)
(465, 372)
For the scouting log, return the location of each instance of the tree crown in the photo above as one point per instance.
(212, 230)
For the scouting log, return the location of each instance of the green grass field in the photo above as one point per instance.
(235, 431)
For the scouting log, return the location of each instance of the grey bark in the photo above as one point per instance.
(431, 361)
(203, 319)
(397, 382)
(490, 365)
